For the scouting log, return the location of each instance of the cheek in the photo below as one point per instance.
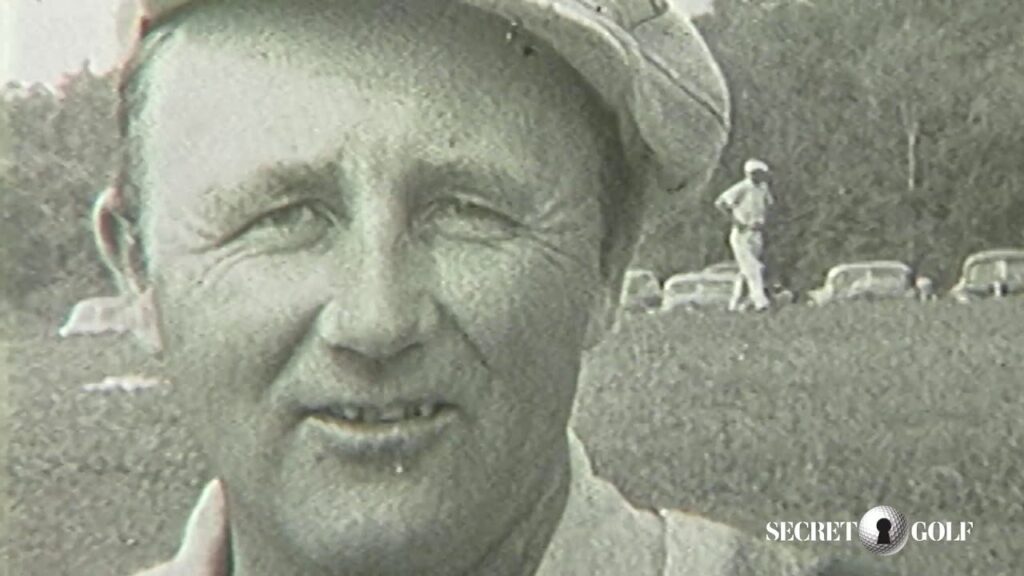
(525, 312)
(228, 335)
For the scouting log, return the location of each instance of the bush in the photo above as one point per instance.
(62, 149)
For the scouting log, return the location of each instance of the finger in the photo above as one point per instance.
(204, 548)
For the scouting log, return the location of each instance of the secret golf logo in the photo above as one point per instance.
(883, 530)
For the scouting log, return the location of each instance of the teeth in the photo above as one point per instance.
(371, 415)
(390, 414)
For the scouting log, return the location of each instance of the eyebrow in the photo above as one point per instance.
(282, 180)
(488, 179)
(225, 208)
(325, 180)
(286, 176)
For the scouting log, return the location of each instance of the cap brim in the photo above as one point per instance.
(657, 74)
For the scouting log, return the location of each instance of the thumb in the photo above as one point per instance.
(204, 549)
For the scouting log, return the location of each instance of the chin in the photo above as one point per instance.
(379, 526)
(409, 538)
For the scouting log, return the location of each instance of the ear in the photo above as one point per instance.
(120, 248)
(116, 240)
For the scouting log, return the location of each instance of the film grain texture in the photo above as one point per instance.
(513, 288)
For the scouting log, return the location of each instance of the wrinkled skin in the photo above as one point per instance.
(368, 205)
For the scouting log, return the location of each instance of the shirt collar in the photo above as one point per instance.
(600, 533)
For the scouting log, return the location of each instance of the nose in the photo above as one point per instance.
(381, 304)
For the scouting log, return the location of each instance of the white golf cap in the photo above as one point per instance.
(643, 57)
(754, 165)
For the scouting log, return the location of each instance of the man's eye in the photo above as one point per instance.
(292, 226)
(469, 219)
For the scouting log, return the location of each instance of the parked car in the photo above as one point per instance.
(881, 279)
(641, 291)
(779, 294)
(698, 290)
(990, 273)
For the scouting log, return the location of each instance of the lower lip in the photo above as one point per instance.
(391, 440)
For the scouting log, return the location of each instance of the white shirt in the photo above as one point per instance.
(602, 534)
(749, 202)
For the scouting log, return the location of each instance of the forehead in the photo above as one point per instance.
(301, 80)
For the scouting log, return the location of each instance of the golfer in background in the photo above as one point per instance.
(747, 203)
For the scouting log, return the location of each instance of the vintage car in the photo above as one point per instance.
(874, 280)
(698, 290)
(990, 273)
(641, 291)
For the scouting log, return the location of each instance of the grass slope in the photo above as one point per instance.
(821, 414)
(803, 414)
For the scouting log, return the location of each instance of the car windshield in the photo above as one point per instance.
(845, 279)
(1010, 270)
(876, 277)
(683, 287)
(717, 286)
(889, 277)
(985, 272)
(706, 285)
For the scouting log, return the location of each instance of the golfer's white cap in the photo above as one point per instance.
(643, 57)
(754, 165)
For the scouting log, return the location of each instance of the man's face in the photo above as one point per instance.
(373, 235)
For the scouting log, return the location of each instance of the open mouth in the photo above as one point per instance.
(355, 414)
(383, 416)
(366, 432)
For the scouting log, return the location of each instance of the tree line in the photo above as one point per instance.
(57, 151)
(895, 129)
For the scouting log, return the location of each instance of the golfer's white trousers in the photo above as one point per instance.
(747, 248)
